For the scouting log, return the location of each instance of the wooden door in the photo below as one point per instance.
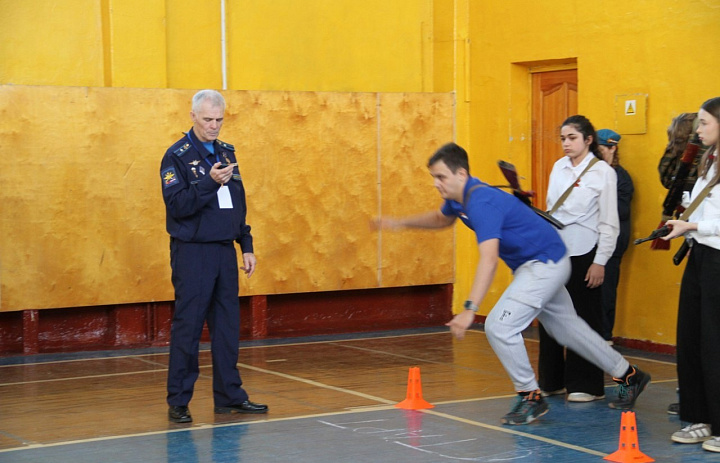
(554, 98)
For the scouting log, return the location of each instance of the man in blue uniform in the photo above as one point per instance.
(205, 213)
(509, 230)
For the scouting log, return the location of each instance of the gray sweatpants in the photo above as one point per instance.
(538, 291)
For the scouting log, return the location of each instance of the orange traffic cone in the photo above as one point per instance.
(414, 400)
(629, 449)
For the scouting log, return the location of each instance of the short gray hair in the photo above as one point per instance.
(213, 96)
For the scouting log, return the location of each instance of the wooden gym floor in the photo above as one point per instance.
(331, 400)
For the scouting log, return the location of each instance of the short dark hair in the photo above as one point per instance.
(453, 155)
(583, 125)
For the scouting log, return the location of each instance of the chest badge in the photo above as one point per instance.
(194, 163)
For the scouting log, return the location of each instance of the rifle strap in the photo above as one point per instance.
(567, 192)
(472, 188)
(696, 202)
(555, 222)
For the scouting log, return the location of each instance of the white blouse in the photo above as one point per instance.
(707, 214)
(590, 212)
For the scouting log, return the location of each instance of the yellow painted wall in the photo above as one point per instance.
(89, 228)
(666, 49)
(320, 164)
(46, 42)
(330, 45)
(483, 50)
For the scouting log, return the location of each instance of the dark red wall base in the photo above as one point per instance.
(275, 316)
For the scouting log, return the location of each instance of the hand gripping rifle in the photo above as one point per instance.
(664, 231)
(511, 176)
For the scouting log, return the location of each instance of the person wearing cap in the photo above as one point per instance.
(608, 146)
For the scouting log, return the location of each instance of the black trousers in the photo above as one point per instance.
(205, 276)
(609, 296)
(559, 367)
(698, 338)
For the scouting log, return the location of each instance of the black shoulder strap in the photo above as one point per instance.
(472, 188)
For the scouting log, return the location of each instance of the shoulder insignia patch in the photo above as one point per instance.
(180, 151)
(169, 177)
(227, 146)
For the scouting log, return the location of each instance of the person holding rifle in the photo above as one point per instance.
(698, 326)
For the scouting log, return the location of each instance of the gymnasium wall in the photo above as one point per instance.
(482, 50)
(662, 49)
(87, 227)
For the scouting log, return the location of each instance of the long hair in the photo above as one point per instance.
(583, 125)
(616, 159)
(712, 107)
(680, 133)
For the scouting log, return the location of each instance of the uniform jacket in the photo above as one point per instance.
(193, 212)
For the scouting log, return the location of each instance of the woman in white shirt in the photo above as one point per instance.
(590, 216)
(698, 329)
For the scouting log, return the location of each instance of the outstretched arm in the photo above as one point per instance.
(432, 219)
(489, 256)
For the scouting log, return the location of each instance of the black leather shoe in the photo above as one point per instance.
(245, 407)
(179, 414)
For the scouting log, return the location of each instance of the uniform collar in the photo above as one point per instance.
(567, 163)
(197, 144)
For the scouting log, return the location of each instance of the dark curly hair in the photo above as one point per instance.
(583, 125)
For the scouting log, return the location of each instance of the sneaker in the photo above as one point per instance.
(674, 409)
(693, 434)
(555, 392)
(712, 445)
(526, 409)
(629, 389)
(583, 397)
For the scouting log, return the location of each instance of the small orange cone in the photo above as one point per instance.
(414, 400)
(629, 450)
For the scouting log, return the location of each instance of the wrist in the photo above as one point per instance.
(470, 305)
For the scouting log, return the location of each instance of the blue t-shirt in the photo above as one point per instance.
(493, 213)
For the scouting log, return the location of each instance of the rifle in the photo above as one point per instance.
(658, 233)
(681, 253)
(664, 231)
(511, 176)
(673, 198)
